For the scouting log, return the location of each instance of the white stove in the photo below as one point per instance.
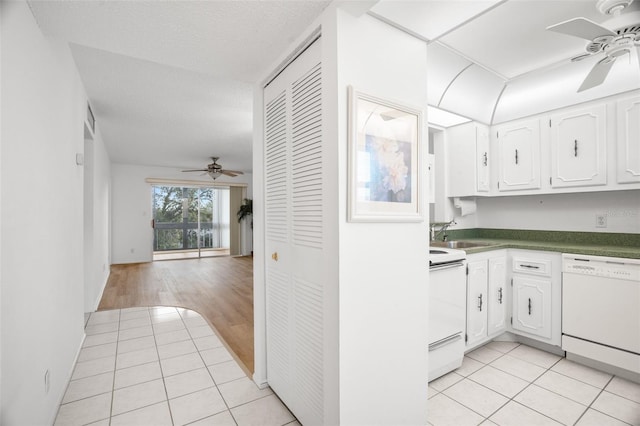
(440, 255)
(447, 306)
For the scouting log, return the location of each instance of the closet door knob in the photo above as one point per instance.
(274, 256)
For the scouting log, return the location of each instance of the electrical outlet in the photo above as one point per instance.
(601, 221)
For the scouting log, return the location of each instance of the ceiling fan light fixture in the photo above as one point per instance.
(612, 7)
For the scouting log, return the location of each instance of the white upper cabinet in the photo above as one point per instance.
(468, 152)
(482, 159)
(579, 147)
(628, 164)
(518, 155)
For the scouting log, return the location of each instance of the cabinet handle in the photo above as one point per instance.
(522, 265)
(274, 256)
(486, 160)
(575, 148)
(500, 295)
(480, 302)
(516, 156)
(529, 306)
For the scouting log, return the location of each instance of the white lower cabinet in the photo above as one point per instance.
(532, 306)
(524, 299)
(536, 295)
(486, 296)
(497, 296)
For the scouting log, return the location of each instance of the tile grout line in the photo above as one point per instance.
(601, 389)
(115, 365)
(596, 398)
(185, 321)
(528, 386)
(530, 382)
(215, 384)
(164, 384)
(485, 365)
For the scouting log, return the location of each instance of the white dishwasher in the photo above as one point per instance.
(601, 309)
(447, 307)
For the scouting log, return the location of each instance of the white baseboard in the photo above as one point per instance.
(68, 379)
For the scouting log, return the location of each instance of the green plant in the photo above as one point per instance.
(245, 210)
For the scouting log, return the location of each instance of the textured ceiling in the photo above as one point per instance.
(170, 82)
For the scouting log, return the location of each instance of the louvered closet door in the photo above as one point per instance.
(294, 236)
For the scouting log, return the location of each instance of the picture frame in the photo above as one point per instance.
(384, 160)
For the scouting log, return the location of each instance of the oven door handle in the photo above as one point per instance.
(446, 341)
(445, 266)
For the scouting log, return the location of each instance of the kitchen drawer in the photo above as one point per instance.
(532, 266)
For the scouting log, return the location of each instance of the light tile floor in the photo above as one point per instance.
(505, 383)
(162, 366)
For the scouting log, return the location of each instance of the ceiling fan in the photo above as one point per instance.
(215, 170)
(618, 41)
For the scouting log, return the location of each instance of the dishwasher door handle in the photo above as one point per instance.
(446, 341)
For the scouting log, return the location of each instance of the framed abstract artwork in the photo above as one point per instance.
(384, 160)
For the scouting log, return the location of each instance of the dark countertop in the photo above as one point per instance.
(587, 243)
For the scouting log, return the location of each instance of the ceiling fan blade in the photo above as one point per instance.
(196, 170)
(581, 57)
(231, 173)
(597, 75)
(581, 27)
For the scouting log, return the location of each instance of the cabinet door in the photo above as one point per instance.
(461, 160)
(532, 306)
(628, 164)
(519, 156)
(497, 295)
(579, 148)
(482, 158)
(476, 301)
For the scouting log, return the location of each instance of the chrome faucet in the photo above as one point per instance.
(433, 234)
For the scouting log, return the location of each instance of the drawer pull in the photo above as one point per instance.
(529, 306)
(522, 265)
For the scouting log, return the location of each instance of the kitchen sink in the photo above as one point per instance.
(459, 244)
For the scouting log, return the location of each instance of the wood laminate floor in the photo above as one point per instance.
(219, 288)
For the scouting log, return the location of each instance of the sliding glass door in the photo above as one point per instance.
(190, 222)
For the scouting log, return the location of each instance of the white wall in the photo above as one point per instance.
(97, 219)
(383, 275)
(42, 259)
(132, 235)
(562, 212)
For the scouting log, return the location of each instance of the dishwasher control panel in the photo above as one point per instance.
(600, 266)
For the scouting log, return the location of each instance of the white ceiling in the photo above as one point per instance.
(494, 61)
(170, 82)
